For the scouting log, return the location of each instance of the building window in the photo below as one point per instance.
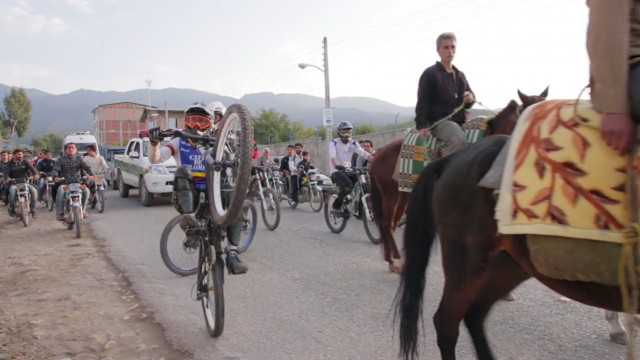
(173, 123)
(151, 124)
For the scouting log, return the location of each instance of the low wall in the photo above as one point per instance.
(319, 149)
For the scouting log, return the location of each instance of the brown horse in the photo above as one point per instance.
(389, 204)
(480, 266)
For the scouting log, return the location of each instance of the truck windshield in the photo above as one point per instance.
(145, 147)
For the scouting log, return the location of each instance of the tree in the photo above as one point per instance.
(50, 141)
(17, 115)
(268, 122)
(362, 129)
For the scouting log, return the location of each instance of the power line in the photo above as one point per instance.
(459, 30)
(466, 3)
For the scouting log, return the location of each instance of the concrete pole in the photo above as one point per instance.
(327, 98)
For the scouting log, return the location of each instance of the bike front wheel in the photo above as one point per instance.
(335, 224)
(77, 214)
(228, 186)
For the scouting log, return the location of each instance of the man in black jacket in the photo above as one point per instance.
(19, 170)
(289, 166)
(45, 165)
(443, 89)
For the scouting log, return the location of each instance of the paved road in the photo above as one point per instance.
(311, 294)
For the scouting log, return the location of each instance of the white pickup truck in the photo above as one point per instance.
(133, 170)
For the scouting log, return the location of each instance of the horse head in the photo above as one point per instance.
(505, 121)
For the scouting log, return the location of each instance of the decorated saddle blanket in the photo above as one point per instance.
(417, 152)
(560, 178)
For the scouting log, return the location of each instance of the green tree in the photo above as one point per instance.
(17, 115)
(363, 129)
(50, 141)
(271, 122)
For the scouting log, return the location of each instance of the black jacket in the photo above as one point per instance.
(284, 162)
(20, 170)
(439, 93)
(46, 166)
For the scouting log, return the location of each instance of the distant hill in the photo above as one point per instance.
(72, 112)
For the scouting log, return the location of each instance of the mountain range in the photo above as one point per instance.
(72, 112)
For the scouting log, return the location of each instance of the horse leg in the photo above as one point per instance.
(386, 225)
(504, 276)
(398, 212)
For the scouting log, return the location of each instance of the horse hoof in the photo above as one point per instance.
(621, 338)
(508, 297)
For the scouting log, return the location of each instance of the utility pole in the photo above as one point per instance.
(148, 82)
(328, 112)
(166, 116)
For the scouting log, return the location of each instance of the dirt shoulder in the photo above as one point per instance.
(61, 298)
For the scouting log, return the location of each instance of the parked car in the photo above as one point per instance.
(109, 154)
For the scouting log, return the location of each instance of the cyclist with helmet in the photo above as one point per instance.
(340, 153)
(189, 181)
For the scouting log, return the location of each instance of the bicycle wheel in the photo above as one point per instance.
(228, 187)
(335, 224)
(186, 246)
(212, 285)
(272, 205)
(250, 216)
(50, 202)
(370, 226)
(24, 213)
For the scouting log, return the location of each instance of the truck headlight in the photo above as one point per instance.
(158, 170)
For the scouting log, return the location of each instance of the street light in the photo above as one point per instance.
(327, 98)
(270, 135)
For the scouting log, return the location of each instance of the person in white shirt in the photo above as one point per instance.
(340, 153)
(96, 162)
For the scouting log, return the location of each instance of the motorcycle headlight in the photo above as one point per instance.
(158, 170)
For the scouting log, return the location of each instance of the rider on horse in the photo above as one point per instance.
(441, 92)
(613, 44)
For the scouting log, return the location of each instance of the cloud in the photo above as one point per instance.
(24, 74)
(82, 5)
(20, 20)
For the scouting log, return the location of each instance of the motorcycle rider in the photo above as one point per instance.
(19, 169)
(4, 167)
(96, 162)
(340, 153)
(44, 165)
(68, 167)
(190, 180)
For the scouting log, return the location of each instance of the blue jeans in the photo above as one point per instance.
(41, 182)
(13, 192)
(60, 199)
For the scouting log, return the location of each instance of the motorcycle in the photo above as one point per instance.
(96, 195)
(275, 181)
(22, 201)
(47, 194)
(3, 188)
(72, 208)
(309, 192)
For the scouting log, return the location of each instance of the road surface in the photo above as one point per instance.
(311, 294)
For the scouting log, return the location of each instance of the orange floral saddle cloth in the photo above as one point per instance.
(561, 179)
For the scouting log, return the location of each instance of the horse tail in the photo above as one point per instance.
(419, 237)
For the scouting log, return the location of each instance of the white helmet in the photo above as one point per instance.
(217, 107)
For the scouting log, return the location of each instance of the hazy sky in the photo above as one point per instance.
(377, 48)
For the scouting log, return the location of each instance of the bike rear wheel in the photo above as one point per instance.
(228, 187)
(212, 286)
(316, 199)
(187, 248)
(272, 204)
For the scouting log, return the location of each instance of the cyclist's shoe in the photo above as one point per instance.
(234, 264)
(33, 214)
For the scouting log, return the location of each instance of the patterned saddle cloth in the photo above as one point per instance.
(417, 152)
